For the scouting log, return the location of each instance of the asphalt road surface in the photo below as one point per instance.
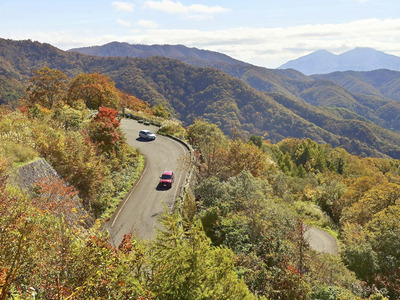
(321, 240)
(139, 212)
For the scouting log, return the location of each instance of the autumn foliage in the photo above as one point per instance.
(47, 87)
(104, 129)
(95, 90)
(242, 233)
(134, 103)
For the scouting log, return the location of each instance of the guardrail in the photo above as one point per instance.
(186, 185)
(141, 117)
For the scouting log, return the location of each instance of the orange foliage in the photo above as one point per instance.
(244, 156)
(55, 196)
(95, 90)
(134, 103)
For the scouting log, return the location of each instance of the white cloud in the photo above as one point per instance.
(124, 23)
(147, 24)
(123, 6)
(191, 11)
(269, 47)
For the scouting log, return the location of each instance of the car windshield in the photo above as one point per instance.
(147, 132)
(166, 176)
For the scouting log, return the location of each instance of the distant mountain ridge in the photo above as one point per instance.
(284, 81)
(315, 90)
(382, 82)
(192, 56)
(358, 59)
(272, 103)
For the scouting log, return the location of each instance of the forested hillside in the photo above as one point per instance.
(191, 92)
(241, 231)
(242, 236)
(385, 83)
(369, 94)
(245, 201)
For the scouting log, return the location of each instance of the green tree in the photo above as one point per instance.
(358, 254)
(256, 140)
(383, 233)
(70, 117)
(160, 111)
(210, 141)
(329, 192)
(186, 266)
(287, 165)
(330, 277)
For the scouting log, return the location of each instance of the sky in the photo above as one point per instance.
(265, 33)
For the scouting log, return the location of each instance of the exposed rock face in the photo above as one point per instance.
(30, 174)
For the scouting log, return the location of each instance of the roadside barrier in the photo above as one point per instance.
(186, 187)
(142, 118)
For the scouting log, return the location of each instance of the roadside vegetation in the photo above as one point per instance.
(257, 198)
(56, 121)
(242, 231)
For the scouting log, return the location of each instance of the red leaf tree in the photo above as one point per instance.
(104, 129)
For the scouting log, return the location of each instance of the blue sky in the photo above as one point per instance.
(263, 32)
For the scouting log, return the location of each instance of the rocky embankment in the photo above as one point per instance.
(29, 174)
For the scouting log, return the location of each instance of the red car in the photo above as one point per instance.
(166, 179)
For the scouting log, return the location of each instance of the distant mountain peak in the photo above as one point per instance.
(358, 59)
(319, 53)
(322, 51)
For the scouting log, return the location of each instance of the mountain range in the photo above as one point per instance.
(237, 96)
(192, 56)
(358, 59)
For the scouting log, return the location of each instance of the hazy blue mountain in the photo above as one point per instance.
(358, 59)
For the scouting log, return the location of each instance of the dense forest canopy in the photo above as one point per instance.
(241, 233)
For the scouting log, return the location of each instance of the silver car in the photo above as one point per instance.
(147, 134)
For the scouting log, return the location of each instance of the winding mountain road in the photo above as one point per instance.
(139, 212)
